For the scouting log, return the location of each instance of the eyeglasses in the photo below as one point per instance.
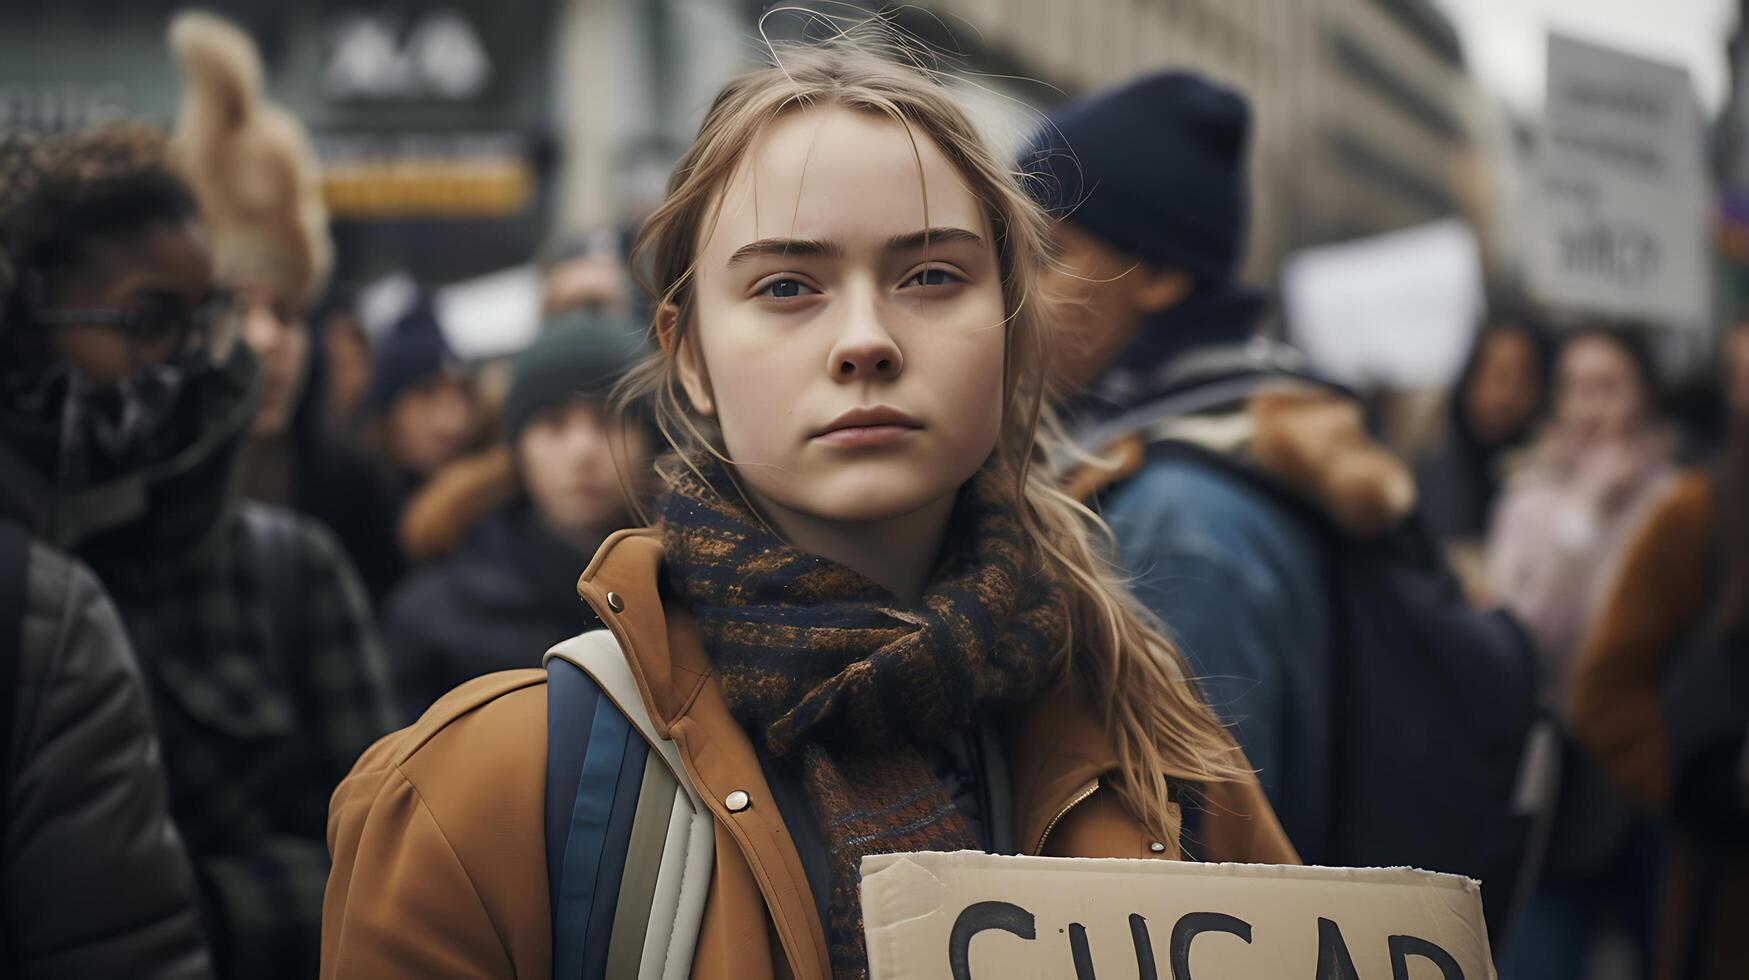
(163, 331)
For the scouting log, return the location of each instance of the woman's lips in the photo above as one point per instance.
(867, 435)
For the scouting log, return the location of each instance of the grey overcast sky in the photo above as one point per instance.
(1506, 40)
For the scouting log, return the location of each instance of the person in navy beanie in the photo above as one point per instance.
(419, 407)
(1149, 181)
(419, 414)
(1149, 186)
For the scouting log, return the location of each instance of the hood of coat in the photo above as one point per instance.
(1309, 440)
(1315, 443)
(155, 519)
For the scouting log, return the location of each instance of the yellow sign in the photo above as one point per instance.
(469, 187)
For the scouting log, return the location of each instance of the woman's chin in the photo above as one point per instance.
(870, 494)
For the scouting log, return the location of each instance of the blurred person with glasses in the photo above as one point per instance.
(125, 405)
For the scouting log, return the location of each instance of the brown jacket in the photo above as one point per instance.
(1658, 598)
(439, 855)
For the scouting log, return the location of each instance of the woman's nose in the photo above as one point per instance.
(865, 352)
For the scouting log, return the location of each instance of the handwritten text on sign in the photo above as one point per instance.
(971, 916)
(1619, 189)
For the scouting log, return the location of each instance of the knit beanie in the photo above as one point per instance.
(251, 165)
(577, 353)
(1156, 168)
(414, 350)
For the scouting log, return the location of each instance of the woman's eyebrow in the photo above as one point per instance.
(933, 236)
(814, 248)
(804, 247)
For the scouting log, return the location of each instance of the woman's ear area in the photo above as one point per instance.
(688, 360)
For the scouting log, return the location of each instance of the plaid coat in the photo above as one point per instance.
(260, 719)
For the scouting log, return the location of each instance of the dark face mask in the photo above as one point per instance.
(103, 430)
(106, 429)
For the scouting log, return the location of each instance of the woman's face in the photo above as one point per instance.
(430, 424)
(855, 370)
(1600, 397)
(1504, 390)
(566, 456)
(162, 273)
(275, 330)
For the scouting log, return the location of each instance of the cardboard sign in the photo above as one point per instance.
(1621, 199)
(974, 916)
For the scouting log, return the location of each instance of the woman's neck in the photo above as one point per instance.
(898, 553)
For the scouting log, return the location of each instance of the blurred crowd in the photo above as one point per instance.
(245, 536)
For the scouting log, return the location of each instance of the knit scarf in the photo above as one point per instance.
(833, 673)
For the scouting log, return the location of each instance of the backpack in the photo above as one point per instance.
(1441, 756)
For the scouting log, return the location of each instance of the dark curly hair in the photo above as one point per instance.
(60, 193)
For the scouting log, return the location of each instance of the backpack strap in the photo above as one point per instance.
(630, 843)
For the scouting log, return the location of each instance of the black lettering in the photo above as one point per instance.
(1145, 968)
(1403, 947)
(1334, 961)
(976, 918)
(1079, 952)
(1194, 924)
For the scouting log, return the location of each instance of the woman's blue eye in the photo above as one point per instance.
(784, 289)
(931, 277)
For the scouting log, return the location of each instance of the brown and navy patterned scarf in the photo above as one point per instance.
(827, 668)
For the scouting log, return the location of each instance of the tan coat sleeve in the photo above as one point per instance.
(1657, 598)
(399, 902)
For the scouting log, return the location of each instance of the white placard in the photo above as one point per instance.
(491, 315)
(1396, 310)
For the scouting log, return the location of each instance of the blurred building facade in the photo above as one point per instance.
(463, 135)
(1366, 116)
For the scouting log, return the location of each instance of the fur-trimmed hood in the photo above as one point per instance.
(1309, 440)
(251, 165)
(455, 500)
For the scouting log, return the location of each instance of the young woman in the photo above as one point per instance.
(1560, 530)
(1566, 512)
(1494, 409)
(1677, 749)
(863, 624)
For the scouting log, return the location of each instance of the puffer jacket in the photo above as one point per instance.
(440, 865)
(97, 883)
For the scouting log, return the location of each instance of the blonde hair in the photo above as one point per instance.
(1157, 721)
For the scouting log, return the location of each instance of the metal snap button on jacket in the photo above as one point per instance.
(615, 603)
(737, 801)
